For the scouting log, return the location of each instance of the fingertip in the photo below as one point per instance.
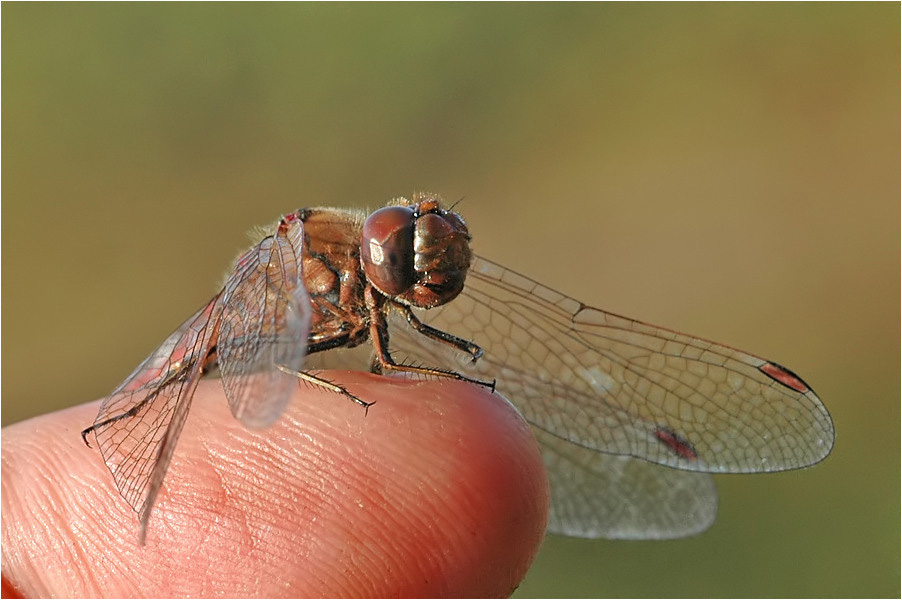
(467, 487)
(436, 490)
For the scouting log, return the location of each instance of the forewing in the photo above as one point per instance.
(265, 323)
(139, 423)
(614, 385)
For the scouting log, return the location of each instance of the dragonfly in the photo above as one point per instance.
(632, 419)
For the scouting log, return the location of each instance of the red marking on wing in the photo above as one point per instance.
(675, 442)
(781, 374)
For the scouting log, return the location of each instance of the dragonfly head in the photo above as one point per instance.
(417, 254)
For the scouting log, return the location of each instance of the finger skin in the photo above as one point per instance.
(437, 490)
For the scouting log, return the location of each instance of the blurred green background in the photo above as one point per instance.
(728, 170)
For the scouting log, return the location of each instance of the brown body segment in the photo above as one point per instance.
(334, 278)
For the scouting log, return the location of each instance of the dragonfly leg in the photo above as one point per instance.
(384, 362)
(84, 435)
(174, 374)
(461, 344)
(391, 365)
(326, 384)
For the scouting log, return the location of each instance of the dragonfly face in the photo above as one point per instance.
(418, 255)
(611, 400)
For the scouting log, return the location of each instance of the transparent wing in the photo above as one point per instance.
(265, 323)
(607, 384)
(139, 423)
(594, 495)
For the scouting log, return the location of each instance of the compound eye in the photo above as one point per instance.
(386, 249)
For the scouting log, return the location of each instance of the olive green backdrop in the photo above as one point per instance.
(728, 170)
